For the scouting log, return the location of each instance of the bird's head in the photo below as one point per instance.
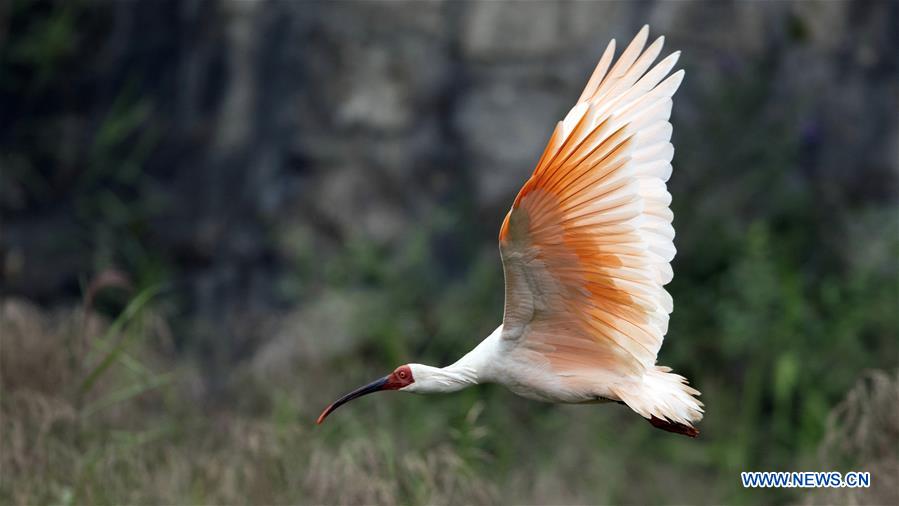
(400, 379)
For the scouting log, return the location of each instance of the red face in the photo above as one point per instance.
(396, 380)
(399, 378)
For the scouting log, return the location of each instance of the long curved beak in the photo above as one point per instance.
(374, 386)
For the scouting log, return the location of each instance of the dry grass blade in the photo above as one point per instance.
(127, 393)
(863, 435)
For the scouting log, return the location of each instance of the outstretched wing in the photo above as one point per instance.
(587, 244)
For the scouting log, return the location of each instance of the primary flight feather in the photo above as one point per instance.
(586, 251)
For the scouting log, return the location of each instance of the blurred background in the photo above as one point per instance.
(217, 216)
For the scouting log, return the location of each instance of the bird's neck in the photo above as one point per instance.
(455, 377)
(471, 369)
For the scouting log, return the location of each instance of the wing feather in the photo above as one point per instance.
(587, 244)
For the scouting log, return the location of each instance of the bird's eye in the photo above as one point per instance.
(403, 374)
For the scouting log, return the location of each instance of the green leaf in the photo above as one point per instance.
(133, 309)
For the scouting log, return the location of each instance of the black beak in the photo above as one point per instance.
(374, 386)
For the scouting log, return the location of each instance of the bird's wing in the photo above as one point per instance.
(587, 244)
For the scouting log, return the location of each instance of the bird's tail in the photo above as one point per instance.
(665, 399)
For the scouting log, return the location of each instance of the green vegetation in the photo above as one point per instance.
(138, 438)
(121, 424)
(786, 317)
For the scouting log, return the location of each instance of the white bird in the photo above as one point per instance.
(586, 249)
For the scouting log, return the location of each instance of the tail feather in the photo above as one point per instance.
(677, 428)
(665, 399)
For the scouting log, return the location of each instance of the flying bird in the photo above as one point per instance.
(586, 251)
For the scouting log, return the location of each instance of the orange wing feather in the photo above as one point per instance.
(587, 244)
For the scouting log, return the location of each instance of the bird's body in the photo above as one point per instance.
(497, 361)
(586, 251)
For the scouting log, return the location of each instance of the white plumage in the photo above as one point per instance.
(586, 251)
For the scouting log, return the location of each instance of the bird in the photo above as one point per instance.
(586, 249)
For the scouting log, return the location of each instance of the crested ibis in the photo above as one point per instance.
(586, 250)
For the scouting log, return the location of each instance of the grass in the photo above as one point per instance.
(786, 294)
(130, 435)
(126, 439)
